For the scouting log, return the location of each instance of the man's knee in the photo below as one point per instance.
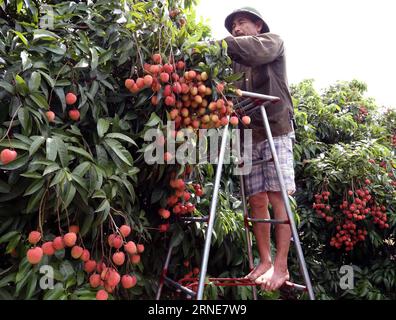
(259, 200)
(275, 198)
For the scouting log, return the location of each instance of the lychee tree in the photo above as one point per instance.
(345, 170)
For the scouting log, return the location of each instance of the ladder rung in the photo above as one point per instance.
(179, 286)
(272, 221)
(295, 286)
(195, 219)
(228, 282)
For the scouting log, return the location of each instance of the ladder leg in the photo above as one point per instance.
(212, 215)
(164, 272)
(288, 208)
(247, 233)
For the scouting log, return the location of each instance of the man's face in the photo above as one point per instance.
(242, 25)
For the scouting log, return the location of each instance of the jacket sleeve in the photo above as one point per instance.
(255, 50)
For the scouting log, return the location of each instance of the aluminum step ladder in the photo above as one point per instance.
(247, 106)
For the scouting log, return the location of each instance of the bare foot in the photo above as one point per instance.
(273, 279)
(260, 269)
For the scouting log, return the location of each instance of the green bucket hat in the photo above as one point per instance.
(249, 10)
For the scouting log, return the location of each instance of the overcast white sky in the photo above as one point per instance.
(327, 40)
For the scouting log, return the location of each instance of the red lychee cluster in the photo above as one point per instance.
(104, 276)
(187, 95)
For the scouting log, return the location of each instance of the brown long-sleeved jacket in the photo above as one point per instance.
(261, 59)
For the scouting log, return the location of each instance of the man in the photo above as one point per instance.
(260, 56)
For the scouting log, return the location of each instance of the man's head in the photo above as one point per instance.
(245, 22)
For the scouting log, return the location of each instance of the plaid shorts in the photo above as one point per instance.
(263, 177)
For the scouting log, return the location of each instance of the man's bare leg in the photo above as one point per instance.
(275, 277)
(259, 209)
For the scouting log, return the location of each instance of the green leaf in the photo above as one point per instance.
(99, 194)
(47, 77)
(26, 63)
(83, 63)
(21, 284)
(31, 286)
(55, 293)
(8, 236)
(34, 187)
(71, 192)
(58, 178)
(15, 144)
(51, 168)
(7, 86)
(102, 127)
(22, 37)
(19, 5)
(21, 86)
(82, 169)
(153, 121)
(31, 175)
(40, 100)
(37, 142)
(61, 95)
(94, 58)
(13, 243)
(121, 136)
(34, 81)
(81, 152)
(62, 152)
(234, 77)
(34, 201)
(4, 281)
(51, 149)
(118, 150)
(24, 117)
(44, 34)
(81, 182)
(89, 218)
(104, 206)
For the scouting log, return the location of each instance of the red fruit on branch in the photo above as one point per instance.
(157, 58)
(164, 227)
(246, 120)
(76, 252)
(180, 65)
(129, 83)
(74, 114)
(148, 80)
(58, 243)
(34, 237)
(102, 295)
(140, 248)
(50, 116)
(70, 239)
(135, 259)
(71, 98)
(94, 280)
(128, 281)
(85, 255)
(90, 266)
(164, 213)
(7, 156)
(48, 248)
(119, 258)
(34, 255)
(125, 230)
(130, 247)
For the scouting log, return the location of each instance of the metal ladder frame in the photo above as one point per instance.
(253, 102)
